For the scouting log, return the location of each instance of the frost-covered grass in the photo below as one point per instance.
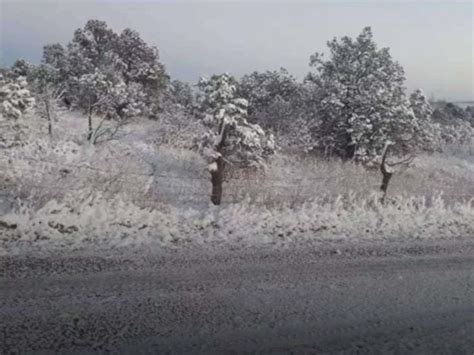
(97, 222)
(41, 168)
(292, 179)
(149, 175)
(135, 189)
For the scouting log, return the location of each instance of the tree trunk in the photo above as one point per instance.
(385, 181)
(217, 179)
(67, 102)
(89, 135)
(48, 116)
(387, 173)
(217, 174)
(349, 150)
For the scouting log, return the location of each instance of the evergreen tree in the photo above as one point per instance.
(361, 98)
(230, 137)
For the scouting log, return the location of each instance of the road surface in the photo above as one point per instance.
(248, 301)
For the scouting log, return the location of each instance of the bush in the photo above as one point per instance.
(15, 98)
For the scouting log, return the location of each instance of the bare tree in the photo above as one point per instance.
(388, 169)
(49, 105)
(106, 128)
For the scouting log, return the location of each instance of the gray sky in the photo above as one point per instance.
(432, 40)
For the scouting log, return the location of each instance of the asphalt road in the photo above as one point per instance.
(290, 301)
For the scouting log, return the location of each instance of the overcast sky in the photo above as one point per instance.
(432, 40)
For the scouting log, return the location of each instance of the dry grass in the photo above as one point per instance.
(294, 180)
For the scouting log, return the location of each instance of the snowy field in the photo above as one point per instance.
(64, 194)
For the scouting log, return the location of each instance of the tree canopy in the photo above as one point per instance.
(361, 97)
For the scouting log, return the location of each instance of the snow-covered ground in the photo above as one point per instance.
(60, 194)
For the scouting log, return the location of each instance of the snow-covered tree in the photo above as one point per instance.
(262, 88)
(139, 63)
(230, 138)
(15, 97)
(454, 122)
(42, 76)
(91, 47)
(470, 114)
(55, 56)
(109, 97)
(275, 98)
(420, 105)
(15, 102)
(92, 94)
(297, 137)
(48, 95)
(182, 94)
(278, 103)
(21, 68)
(361, 102)
(427, 133)
(96, 53)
